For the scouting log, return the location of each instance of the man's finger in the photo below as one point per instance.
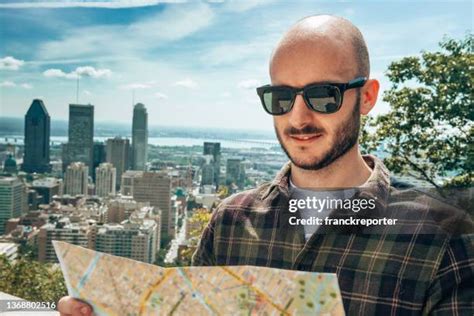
(68, 306)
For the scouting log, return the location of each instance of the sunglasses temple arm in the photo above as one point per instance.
(358, 82)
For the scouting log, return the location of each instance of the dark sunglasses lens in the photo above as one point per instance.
(324, 99)
(278, 101)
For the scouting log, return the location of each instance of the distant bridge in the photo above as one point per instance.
(242, 141)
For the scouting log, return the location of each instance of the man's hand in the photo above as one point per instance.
(68, 306)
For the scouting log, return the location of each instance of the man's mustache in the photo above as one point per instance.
(308, 129)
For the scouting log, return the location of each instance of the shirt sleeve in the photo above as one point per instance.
(204, 254)
(452, 292)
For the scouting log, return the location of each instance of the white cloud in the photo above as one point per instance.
(135, 86)
(58, 73)
(11, 84)
(7, 84)
(10, 63)
(232, 53)
(87, 92)
(173, 23)
(26, 86)
(249, 84)
(187, 83)
(87, 71)
(160, 95)
(114, 4)
(244, 5)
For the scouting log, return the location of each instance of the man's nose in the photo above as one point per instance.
(300, 115)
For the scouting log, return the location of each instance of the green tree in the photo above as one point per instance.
(160, 258)
(27, 251)
(429, 129)
(199, 220)
(31, 280)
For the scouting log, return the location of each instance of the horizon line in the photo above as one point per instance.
(156, 126)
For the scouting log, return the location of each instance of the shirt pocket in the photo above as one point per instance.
(367, 292)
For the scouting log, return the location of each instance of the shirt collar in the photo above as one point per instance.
(377, 186)
(280, 182)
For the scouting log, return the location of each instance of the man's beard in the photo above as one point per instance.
(345, 138)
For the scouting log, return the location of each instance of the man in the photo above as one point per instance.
(320, 87)
(417, 267)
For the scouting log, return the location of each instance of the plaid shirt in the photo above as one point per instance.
(421, 267)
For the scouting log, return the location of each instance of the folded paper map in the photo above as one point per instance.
(120, 286)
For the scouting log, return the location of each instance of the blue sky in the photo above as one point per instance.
(191, 64)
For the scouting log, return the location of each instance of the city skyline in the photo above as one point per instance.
(205, 70)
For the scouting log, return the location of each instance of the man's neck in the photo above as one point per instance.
(348, 171)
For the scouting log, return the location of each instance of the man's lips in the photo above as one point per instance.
(305, 137)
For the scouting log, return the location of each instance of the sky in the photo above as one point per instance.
(191, 63)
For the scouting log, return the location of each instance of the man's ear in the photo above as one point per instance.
(369, 94)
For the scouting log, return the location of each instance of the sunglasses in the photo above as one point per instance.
(321, 98)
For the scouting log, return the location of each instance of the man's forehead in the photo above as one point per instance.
(305, 61)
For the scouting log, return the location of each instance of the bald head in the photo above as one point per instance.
(329, 37)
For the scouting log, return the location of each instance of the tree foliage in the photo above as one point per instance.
(31, 280)
(429, 129)
(200, 219)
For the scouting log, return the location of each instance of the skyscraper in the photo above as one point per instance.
(75, 180)
(117, 153)
(105, 179)
(139, 137)
(214, 149)
(80, 136)
(37, 129)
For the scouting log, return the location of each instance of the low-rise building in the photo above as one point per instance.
(9, 250)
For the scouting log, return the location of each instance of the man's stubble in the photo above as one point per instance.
(345, 138)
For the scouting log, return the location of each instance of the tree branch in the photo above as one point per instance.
(421, 171)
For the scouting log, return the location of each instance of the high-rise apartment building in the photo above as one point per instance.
(117, 153)
(105, 180)
(80, 136)
(13, 200)
(76, 179)
(121, 207)
(134, 238)
(155, 188)
(37, 129)
(63, 230)
(139, 137)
